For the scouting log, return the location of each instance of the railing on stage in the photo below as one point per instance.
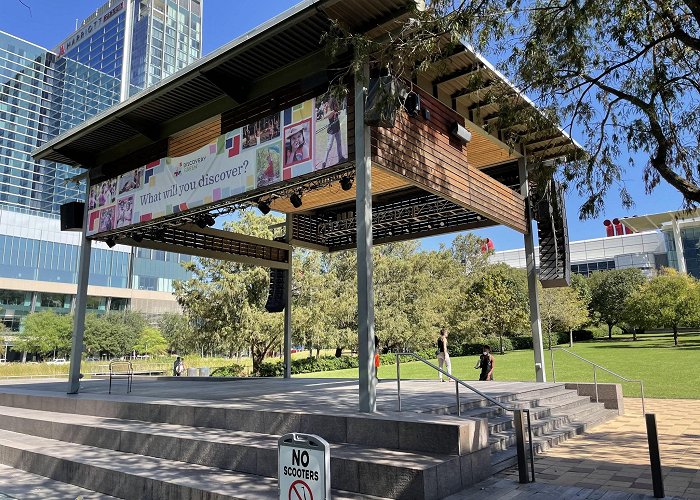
(517, 414)
(596, 367)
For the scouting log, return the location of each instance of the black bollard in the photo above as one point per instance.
(654, 456)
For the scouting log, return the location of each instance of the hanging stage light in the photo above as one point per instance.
(137, 237)
(111, 241)
(200, 222)
(209, 219)
(346, 183)
(296, 200)
(264, 207)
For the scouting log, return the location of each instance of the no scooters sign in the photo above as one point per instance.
(304, 467)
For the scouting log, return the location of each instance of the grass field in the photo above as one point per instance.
(667, 371)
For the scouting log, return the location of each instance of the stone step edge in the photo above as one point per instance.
(400, 431)
(143, 481)
(19, 484)
(197, 437)
(544, 441)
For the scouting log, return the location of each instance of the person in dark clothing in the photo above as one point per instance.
(486, 363)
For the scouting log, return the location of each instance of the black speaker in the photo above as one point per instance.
(72, 216)
(278, 284)
(553, 233)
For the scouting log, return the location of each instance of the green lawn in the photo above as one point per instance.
(667, 371)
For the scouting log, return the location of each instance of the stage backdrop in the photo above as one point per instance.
(307, 137)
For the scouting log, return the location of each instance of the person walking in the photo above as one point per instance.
(486, 363)
(178, 367)
(442, 355)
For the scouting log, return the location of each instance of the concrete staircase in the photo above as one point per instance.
(131, 447)
(557, 414)
(144, 450)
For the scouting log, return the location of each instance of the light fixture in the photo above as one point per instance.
(200, 222)
(346, 183)
(111, 241)
(460, 133)
(296, 200)
(264, 207)
(137, 237)
(209, 219)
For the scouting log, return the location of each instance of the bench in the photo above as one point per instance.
(121, 369)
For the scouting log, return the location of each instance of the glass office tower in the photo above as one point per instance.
(121, 48)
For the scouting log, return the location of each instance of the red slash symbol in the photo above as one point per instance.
(299, 490)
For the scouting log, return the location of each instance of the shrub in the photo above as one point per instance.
(330, 363)
(234, 370)
(476, 346)
(521, 343)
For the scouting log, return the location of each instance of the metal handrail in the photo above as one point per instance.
(459, 382)
(595, 373)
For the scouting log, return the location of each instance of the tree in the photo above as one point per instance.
(114, 333)
(668, 300)
(177, 331)
(467, 250)
(561, 309)
(625, 72)
(151, 341)
(498, 297)
(46, 333)
(226, 300)
(610, 291)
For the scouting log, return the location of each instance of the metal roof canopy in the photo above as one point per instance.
(651, 222)
(253, 69)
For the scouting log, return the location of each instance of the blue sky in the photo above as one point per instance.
(49, 22)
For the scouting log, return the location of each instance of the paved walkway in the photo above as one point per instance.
(612, 459)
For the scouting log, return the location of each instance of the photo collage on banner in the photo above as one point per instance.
(299, 140)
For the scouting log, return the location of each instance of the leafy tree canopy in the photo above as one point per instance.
(626, 73)
(610, 291)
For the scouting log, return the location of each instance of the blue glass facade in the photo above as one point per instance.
(44, 93)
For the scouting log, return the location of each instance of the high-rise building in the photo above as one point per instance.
(121, 48)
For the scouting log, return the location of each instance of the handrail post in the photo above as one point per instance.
(520, 444)
(459, 406)
(551, 355)
(641, 388)
(398, 377)
(595, 381)
(532, 445)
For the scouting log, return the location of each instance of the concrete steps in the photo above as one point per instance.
(232, 453)
(556, 416)
(22, 485)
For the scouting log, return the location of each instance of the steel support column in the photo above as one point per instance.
(288, 305)
(365, 291)
(76, 352)
(533, 293)
(678, 241)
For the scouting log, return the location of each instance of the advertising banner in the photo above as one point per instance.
(304, 138)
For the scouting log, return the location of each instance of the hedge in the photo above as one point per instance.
(477, 345)
(329, 363)
(234, 370)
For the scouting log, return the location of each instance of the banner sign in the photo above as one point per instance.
(304, 138)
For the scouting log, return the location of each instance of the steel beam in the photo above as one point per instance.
(288, 306)
(533, 293)
(76, 352)
(365, 291)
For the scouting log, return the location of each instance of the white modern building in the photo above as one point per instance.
(645, 250)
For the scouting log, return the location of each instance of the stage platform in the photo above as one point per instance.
(220, 435)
